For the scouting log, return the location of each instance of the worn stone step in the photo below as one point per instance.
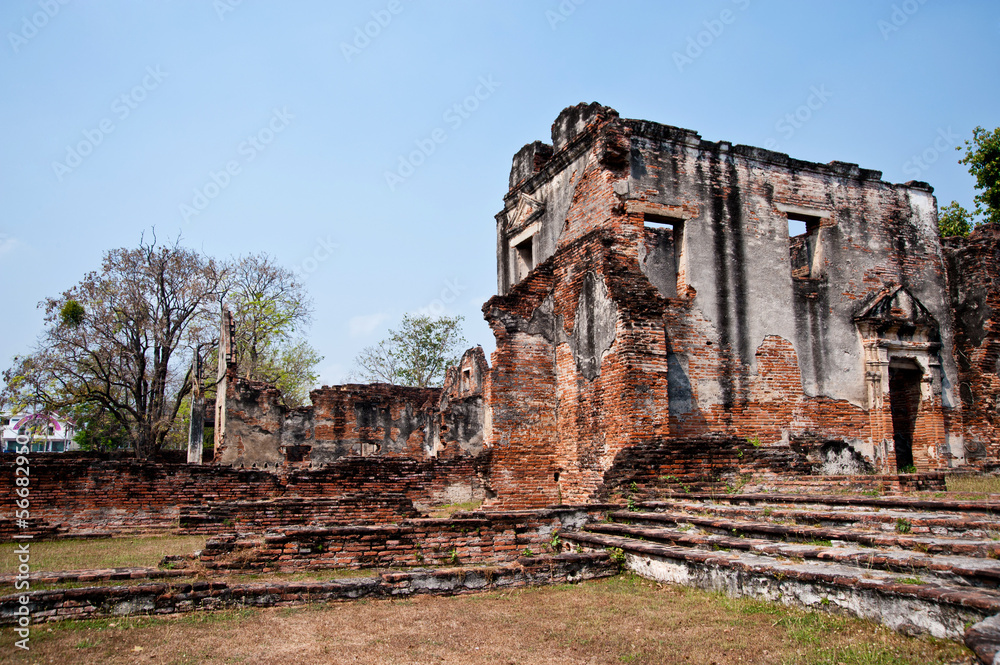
(934, 523)
(897, 600)
(179, 597)
(758, 483)
(967, 547)
(959, 570)
(987, 507)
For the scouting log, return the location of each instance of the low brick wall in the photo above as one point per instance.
(710, 462)
(916, 482)
(72, 493)
(270, 514)
(165, 598)
(471, 538)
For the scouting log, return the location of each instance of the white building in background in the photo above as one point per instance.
(49, 434)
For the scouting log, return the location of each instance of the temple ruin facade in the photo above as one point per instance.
(715, 366)
(721, 307)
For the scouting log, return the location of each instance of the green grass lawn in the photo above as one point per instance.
(95, 553)
(625, 619)
(980, 484)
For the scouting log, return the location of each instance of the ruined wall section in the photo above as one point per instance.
(355, 420)
(739, 282)
(974, 271)
(559, 192)
(83, 492)
(461, 424)
(372, 420)
(255, 415)
(672, 300)
(580, 373)
(522, 387)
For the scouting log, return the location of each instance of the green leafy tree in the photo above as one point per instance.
(118, 344)
(117, 350)
(982, 156)
(954, 220)
(270, 311)
(98, 430)
(417, 354)
(293, 368)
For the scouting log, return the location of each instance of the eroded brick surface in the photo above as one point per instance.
(355, 420)
(974, 271)
(74, 493)
(653, 291)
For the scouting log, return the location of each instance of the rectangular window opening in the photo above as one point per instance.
(804, 247)
(525, 258)
(799, 224)
(665, 256)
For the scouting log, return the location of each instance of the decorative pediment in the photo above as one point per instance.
(892, 306)
(526, 210)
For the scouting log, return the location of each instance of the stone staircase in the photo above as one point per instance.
(915, 565)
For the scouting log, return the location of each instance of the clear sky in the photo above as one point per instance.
(121, 115)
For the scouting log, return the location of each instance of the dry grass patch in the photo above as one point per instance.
(96, 553)
(621, 620)
(450, 509)
(977, 484)
(174, 583)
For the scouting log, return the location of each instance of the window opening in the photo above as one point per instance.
(904, 403)
(804, 248)
(665, 259)
(525, 258)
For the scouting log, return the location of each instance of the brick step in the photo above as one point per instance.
(920, 522)
(897, 600)
(174, 598)
(968, 547)
(987, 508)
(672, 485)
(972, 571)
(99, 575)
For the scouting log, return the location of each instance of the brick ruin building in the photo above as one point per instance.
(670, 304)
(716, 357)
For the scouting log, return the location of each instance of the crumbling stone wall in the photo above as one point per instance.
(650, 287)
(76, 492)
(462, 416)
(466, 538)
(373, 420)
(974, 276)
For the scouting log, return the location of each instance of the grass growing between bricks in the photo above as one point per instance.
(96, 553)
(174, 583)
(625, 619)
(450, 509)
(979, 484)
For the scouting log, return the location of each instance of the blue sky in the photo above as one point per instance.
(309, 113)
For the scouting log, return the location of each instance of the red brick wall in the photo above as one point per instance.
(471, 538)
(76, 492)
(974, 271)
(747, 347)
